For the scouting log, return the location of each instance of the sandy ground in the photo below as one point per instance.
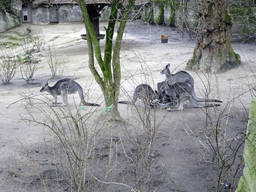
(181, 156)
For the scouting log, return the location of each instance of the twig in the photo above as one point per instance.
(108, 183)
(26, 97)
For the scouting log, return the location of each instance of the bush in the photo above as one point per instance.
(28, 66)
(8, 65)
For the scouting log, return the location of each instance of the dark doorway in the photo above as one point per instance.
(54, 15)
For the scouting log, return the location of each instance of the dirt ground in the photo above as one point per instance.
(180, 152)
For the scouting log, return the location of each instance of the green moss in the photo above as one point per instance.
(245, 17)
(242, 185)
(247, 182)
(237, 58)
(13, 38)
(9, 44)
(20, 34)
(192, 64)
(174, 6)
(171, 20)
(229, 18)
(150, 16)
(246, 30)
(160, 18)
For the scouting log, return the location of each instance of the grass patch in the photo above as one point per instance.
(9, 44)
(54, 38)
(20, 34)
(13, 38)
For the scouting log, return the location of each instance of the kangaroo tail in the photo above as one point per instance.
(211, 105)
(91, 104)
(203, 99)
(213, 100)
(126, 102)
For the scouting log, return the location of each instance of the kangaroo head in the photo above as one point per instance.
(166, 70)
(45, 87)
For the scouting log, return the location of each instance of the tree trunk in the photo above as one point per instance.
(110, 65)
(213, 51)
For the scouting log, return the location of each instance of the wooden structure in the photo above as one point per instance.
(95, 6)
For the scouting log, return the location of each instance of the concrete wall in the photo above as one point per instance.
(40, 15)
(56, 14)
(70, 14)
(8, 21)
(141, 12)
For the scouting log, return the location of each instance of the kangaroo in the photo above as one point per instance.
(182, 77)
(182, 92)
(64, 87)
(143, 92)
(162, 97)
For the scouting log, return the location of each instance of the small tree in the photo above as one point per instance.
(213, 51)
(109, 81)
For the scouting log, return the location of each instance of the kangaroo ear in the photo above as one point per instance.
(167, 66)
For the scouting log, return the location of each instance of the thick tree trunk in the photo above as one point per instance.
(213, 51)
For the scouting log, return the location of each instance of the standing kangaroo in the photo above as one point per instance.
(64, 87)
(181, 85)
(171, 79)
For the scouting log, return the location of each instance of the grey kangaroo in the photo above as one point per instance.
(64, 87)
(187, 84)
(181, 76)
(180, 92)
(143, 92)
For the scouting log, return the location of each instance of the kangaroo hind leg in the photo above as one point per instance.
(55, 103)
(178, 106)
(194, 104)
(64, 94)
(81, 95)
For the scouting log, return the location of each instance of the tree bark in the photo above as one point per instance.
(213, 51)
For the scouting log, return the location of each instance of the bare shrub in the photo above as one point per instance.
(93, 156)
(38, 43)
(223, 149)
(142, 152)
(28, 66)
(28, 63)
(98, 155)
(8, 65)
(222, 146)
(32, 42)
(27, 45)
(55, 64)
(73, 142)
